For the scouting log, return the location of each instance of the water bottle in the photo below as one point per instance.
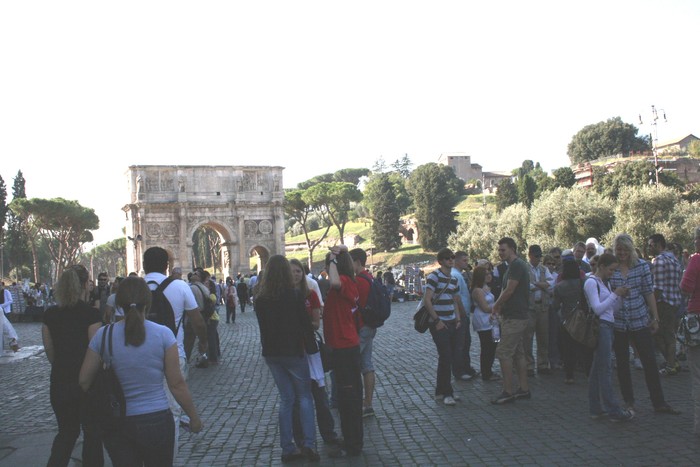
(495, 329)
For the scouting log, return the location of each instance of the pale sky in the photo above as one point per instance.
(88, 88)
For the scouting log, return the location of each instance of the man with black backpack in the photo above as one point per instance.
(374, 308)
(172, 302)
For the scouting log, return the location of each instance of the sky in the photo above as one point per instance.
(89, 88)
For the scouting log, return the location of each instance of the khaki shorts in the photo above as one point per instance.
(512, 332)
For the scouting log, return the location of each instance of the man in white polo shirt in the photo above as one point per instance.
(181, 298)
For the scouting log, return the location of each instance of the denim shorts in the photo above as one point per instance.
(367, 334)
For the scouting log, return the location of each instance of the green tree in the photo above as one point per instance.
(402, 197)
(109, 257)
(506, 194)
(603, 139)
(526, 190)
(637, 173)
(567, 215)
(513, 222)
(694, 149)
(435, 190)
(350, 175)
(403, 166)
(385, 214)
(3, 219)
(564, 177)
(477, 237)
(334, 201)
(301, 212)
(64, 225)
(17, 241)
(640, 211)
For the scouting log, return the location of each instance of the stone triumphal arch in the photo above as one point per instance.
(243, 204)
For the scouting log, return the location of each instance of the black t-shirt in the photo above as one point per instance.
(68, 328)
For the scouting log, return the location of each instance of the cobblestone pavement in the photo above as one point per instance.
(238, 403)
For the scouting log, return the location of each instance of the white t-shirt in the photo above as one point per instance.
(181, 299)
(313, 285)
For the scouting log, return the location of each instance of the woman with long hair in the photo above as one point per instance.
(568, 294)
(66, 332)
(231, 300)
(285, 334)
(636, 320)
(143, 353)
(483, 300)
(324, 418)
(604, 302)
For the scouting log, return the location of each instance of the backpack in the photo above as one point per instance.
(378, 306)
(161, 311)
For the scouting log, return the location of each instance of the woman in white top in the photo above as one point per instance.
(604, 302)
(483, 300)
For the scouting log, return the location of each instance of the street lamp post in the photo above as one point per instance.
(654, 136)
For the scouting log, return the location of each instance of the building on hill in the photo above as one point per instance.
(461, 164)
(677, 145)
(468, 171)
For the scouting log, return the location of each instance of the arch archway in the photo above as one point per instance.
(259, 255)
(242, 204)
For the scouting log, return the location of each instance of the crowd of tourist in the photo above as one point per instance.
(510, 305)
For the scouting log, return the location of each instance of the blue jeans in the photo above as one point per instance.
(146, 440)
(324, 418)
(447, 348)
(291, 375)
(600, 380)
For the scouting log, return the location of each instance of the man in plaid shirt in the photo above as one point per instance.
(667, 274)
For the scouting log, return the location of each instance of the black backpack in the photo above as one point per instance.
(161, 311)
(378, 306)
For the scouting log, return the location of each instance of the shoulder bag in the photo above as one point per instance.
(105, 398)
(422, 319)
(582, 324)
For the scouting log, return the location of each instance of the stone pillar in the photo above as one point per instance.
(243, 258)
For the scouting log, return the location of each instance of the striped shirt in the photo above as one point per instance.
(443, 304)
(633, 314)
(667, 278)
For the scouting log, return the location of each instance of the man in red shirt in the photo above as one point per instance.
(364, 280)
(340, 331)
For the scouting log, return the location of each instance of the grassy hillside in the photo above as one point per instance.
(407, 254)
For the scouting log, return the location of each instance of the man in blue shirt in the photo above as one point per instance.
(463, 369)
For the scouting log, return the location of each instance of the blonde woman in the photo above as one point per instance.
(635, 321)
(67, 330)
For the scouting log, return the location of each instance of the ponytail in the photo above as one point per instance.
(134, 327)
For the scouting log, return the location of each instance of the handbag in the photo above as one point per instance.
(583, 324)
(422, 320)
(326, 353)
(688, 332)
(105, 398)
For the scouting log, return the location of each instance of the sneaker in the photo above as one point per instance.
(291, 457)
(667, 409)
(503, 398)
(598, 416)
(441, 397)
(520, 394)
(310, 454)
(466, 377)
(624, 416)
(638, 364)
(449, 400)
(493, 377)
(668, 370)
(338, 453)
(367, 412)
